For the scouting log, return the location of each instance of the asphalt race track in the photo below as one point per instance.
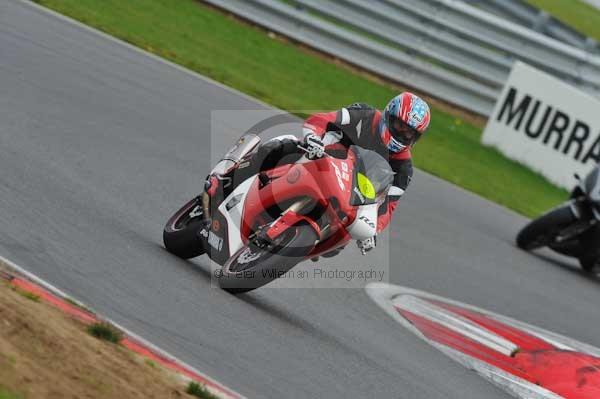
(99, 144)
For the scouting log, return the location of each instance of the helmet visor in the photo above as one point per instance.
(402, 132)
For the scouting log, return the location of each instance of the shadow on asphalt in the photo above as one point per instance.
(573, 269)
(194, 264)
(264, 305)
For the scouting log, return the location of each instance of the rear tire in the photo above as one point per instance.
(180, 234)
(252, 267)
(542, 231)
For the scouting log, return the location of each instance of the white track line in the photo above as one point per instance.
(385, 296)
(455, 323)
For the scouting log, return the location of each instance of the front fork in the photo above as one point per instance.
(586, 216)
(583, 210)
(210, 187)
(205, 198)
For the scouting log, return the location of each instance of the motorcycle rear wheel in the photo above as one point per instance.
(252, 266)
(180, 234)
(543, 231)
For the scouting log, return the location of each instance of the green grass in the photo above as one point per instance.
(199, 391)
(207, 41)
(30, 295)
(105, 332)
(6, 394)
(576, 13)
(26, 294)
(151, 364)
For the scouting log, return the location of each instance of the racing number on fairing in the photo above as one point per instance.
(342, 175)
(345, 174)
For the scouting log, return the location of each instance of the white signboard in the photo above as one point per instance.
(546, 124)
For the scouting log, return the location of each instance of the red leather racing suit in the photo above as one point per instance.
(360, 125)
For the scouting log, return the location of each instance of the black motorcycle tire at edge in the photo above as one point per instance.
(590, 264)
(590, 258)
(552, 221)
(268, 269)
(184, 242)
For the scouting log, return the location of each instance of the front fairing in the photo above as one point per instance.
(330, 184)
(372, 177)
(286, 184)
(327, 182)
(242, 149)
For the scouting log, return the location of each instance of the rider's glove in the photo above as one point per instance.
(367, 244)
(315, 148)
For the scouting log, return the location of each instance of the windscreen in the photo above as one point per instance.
(372, 176)
(245, 145)
(592, 184)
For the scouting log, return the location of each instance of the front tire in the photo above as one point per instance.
(180, 234)
(252, 266)
(590, 264)
(543, 231)
(589, 258)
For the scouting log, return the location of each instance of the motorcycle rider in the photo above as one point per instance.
(391, 133)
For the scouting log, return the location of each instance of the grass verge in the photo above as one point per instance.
(199, 391)
(44, 353)
(6, 394)
(289, 77)
(26, 294)
(581, 16)
(106, 332)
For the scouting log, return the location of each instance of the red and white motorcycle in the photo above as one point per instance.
(264, 223)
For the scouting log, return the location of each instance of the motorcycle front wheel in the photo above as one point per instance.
(256, 265)
(590, 264)
(544, 230)
(589, 258)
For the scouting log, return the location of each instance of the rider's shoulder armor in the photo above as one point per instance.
(360, 106)
(356, 121)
